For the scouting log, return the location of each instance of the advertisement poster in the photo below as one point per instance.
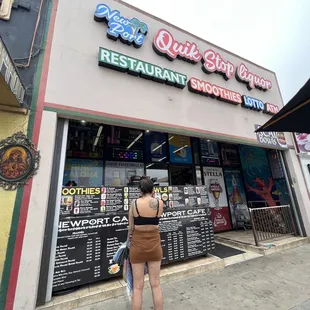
(259, 183)
(209, 153)
(230, 156)
(303, 142)
(182, 196)
(156, 148)
(83, 172)
(180, 149)
(273, 139)
(236, 195)
(214, 180)
(122, 173)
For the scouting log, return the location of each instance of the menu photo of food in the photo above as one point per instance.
(303, 142)
(281, 139)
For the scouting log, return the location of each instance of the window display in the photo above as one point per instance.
(85, 140)
(122, 173)
(156, 147)
(209, 153)
(83, 172)
(181, 175)
(180, 149)
(158, 176)
(124, 144)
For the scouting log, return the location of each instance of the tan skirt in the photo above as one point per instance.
(145, 247)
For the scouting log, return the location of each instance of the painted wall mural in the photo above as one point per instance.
(259, 183)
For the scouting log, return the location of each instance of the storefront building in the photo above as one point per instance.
(124, 94)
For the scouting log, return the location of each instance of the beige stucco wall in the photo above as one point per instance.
(28, 276)
(10, 123)
(76, 80)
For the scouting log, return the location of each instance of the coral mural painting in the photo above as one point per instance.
(259, 183)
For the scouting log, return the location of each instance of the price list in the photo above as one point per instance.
(86, 244)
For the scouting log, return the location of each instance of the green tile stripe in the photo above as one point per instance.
(20, 191)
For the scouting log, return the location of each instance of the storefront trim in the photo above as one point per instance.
(19, 218)
(117, 120)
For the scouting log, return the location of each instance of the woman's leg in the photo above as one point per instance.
(154, 275)
(138, 283)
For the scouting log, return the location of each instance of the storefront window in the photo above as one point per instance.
(156, 147)
(181, 175)
(180, 149)
(209, 153)
(198, 175)
(122, 173)
(230, 156)
(85, 140)
(158, 176)
(83, 172)
(123, 144)
(196, 154)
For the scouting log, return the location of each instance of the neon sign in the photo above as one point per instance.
(243, 75)
(252, 103)
(207, 89)
(129, 31)
(146, 70)
(271, 109)
(165, 45)
(213, 62)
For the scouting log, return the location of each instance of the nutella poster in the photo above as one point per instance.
(214, 180)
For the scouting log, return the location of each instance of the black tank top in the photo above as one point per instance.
(141, 220)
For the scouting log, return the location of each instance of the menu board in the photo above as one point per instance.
(85, 248)
(186, 233)
(80, 201)
(209, 153)
(86, 245)
(182, 196)
(93, 200)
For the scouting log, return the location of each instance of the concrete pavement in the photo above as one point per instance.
(278, 281)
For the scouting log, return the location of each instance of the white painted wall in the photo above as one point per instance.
(76, 80)
(28, 276)
(304, 161)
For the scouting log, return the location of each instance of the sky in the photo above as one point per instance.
(271, 33)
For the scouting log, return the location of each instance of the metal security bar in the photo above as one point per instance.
(271, 222)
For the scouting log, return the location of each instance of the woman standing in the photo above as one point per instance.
(145, 246)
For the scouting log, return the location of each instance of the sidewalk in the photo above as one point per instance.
(279, 281)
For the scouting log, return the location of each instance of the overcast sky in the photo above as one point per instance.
(271, 33)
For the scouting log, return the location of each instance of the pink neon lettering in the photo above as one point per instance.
(206, 88)
(213, 62)
(164, 43)
(252, 80)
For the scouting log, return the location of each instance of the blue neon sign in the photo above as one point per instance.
(129, 31)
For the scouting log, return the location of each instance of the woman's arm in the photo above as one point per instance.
(130, 218)
(161, 208)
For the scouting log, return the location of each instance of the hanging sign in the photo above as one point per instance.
(276, 139)
(133, 66)
(129, 31)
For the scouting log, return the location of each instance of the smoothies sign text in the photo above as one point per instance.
(129, 31)
(165, 44)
